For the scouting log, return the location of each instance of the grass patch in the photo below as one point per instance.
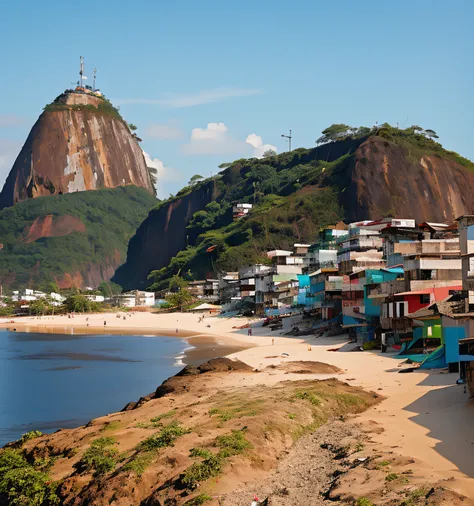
(199, 499)
(306, 395)
(110, 426)
(302, 430)
(200, 452)
(155, 422)
(101, 456)
(363, 501)
(232, 444)
(292, 416)
(349, 399)
(166, 437)
(237, 409)
(414, 497)
(168, 414)
(391, 477)
(229, 445)
(139, 463)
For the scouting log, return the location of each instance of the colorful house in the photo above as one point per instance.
(397, 308)
(438, 330)
(360, 313)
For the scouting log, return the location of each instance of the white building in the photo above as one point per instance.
(135, 298)
(95, 298)
(29, 295)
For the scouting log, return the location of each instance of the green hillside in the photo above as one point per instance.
(294, 194)
(94, 228)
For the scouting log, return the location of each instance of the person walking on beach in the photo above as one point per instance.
(250, 331)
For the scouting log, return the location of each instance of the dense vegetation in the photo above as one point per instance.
(110, 216)
(293, 194)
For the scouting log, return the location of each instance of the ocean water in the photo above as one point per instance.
(52, 381)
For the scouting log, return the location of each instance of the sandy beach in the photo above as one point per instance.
(425, 415)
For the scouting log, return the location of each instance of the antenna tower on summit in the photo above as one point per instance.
(93, 84)
(81, 71)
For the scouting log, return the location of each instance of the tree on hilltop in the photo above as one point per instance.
(431, 134)
(335, 132)
(195, 179)
(269, 153)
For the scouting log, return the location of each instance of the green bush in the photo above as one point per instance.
(101, 456)
(139, 463)
(166, 437)
(232, 444)
(30, 435)
(21, 484)
(198, 500)
(201, 471)
(200, 452)
(363, 501)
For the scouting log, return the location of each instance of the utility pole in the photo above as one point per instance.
(289, 140)
(81, 71)
(93, 84)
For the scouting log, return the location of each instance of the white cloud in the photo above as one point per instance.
(258, 145)
(164, 175)
(215, 139)
(201, 97)
(8, 152)
(163, 131)
(213, 131)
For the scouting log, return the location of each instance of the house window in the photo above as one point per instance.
(425, 298)
(402, 309)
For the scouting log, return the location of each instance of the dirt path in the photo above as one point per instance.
(340, 463)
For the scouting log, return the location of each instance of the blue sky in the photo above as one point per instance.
(200, 77)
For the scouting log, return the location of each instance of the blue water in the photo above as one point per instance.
(52, 381)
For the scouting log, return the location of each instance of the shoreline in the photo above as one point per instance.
(202, 345)
(425, 415)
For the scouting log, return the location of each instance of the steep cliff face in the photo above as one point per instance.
(79, 143)
(386, 178)
(390, 172)
(161, 236)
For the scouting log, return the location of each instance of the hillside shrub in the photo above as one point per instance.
(21, 484)
(166, 437)
(101, 456)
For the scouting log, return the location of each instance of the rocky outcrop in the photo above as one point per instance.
(79, 143)
(386, 178)
(49, 226)
(92, 273)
